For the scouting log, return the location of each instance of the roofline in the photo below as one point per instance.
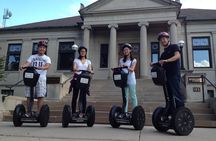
(40, 28)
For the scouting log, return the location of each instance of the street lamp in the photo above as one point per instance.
(181, 45)
(74, 47)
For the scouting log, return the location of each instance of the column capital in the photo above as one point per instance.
(113, 25)
(86, 27)
(173, 22)
(143, 23)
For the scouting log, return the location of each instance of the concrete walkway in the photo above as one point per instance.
(54, 132)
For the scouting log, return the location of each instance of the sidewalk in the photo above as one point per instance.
(54, 132)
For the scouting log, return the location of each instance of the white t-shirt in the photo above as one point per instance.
(39, 61)
(131, 76)
(81, 66)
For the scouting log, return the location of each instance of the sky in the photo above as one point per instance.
(29, 11)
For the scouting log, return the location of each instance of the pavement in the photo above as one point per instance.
(54, 132)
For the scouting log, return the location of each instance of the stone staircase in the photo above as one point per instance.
(104, 94)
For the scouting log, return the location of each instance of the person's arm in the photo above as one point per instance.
(74, 67)
(45, 67)
(90, 68)
(26, 64)
(133, 66)
(172, 59)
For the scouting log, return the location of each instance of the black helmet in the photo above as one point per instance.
(42, 43)
(163, 34)
(82, 47)
(127, 45)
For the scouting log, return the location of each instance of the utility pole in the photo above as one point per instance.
(6, 15)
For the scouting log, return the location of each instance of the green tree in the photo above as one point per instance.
(1, 67)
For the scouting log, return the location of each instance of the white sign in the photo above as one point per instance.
(117, 77)
(84, 80)
(29, 75)
(154, 74)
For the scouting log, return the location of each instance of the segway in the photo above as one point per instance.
(181, 120)
(30, 78)
(117, 115)
(83, 82)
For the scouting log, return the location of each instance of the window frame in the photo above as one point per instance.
(101, 46)
(60, 52)
(202, 48)
(10, 53)
(158, 53)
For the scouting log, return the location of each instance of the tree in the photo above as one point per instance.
(1, 67)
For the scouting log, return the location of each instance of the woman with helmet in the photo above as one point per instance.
(170, 61)
(129, 61)
(42, 63)
(81, 63)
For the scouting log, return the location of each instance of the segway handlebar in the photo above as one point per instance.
(29, 67)
(117, 68)
(84, 71)
(156, 64)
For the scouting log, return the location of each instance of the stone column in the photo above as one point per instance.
(112, 47)
(173, 31)
(86, 36)
(144, 66)
(214, 50)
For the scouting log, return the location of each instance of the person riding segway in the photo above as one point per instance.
(80, 84)
(166, 73)
(124, 77)
(34, 76)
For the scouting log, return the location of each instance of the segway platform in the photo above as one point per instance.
(83, 82)
(30, 78)
(181, 121)
(117, 116)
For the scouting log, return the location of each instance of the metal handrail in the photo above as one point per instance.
(213, 85)
(14, 85)
(63, 83)
(205, 78)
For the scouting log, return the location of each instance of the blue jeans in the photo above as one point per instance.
(130, 89)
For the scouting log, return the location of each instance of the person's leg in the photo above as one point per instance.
(74, 99)
(178, 97)
(82, 101)
(40, 103)
(40, 90)
(125, 99)
(133, 96)
(173, 87)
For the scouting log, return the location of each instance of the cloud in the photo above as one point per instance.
(201, 4)
(203, 63)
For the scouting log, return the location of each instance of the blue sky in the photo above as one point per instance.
(28, 11)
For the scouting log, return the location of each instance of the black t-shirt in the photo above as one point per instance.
(172, 68)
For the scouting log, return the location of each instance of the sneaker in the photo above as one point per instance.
(81, 115)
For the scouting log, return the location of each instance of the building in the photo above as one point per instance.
(102, 27)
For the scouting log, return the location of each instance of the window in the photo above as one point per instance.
(201, 52)
(155, 52)
(13, 57)
(66, 56)
(104, 56)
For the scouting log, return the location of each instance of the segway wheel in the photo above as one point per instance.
(19, 111)
(90, 112)
(66, 115)
(44, 115)
(157, 120)
(138, 118)
(112, 116)
(183, 121)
